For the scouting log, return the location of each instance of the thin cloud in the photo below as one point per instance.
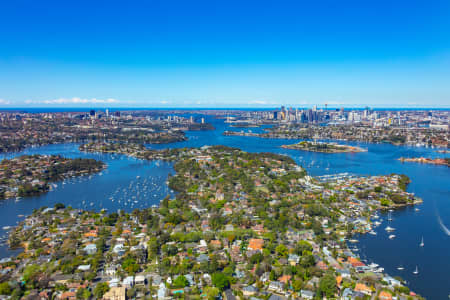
(4, 102)
(74, 100)
(261, 102)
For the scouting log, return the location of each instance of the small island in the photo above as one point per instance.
(323, 147)
(31, 175)
(424, 160)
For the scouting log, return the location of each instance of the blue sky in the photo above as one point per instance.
(173, 53)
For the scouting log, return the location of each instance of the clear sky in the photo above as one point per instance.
(170, 53)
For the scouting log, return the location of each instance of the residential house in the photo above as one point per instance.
(90, 249)
(361, 287)
(385, 295)
(115, 293)
(128, 282)
(307, 294)
(249, 290)
(276, 286)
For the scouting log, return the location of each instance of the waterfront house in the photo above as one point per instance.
(392, 281)
(385, 295)
(361, 287)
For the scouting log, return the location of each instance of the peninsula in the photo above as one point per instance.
(19, 130)
(241, 223)
(31, 175)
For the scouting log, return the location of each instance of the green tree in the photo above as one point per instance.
(5, 288)
(101, 289)
(256, 258)
(180, 282)
(31, 274)
(83, 293)
(130, 266)
(211, 292)
(87, 294)
(281, 250)
(297, 284)
(327, 285)
(220, 281)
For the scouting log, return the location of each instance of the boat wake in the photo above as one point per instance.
(444, 228)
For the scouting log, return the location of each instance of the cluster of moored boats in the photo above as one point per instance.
(389, 229)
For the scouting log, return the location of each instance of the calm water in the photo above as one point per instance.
(126, 184)
(431, 183)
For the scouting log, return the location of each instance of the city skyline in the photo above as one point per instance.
(203, 54)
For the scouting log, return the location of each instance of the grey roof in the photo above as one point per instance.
(275, 297)
(229, 295)
(202, 258)
(250, 288)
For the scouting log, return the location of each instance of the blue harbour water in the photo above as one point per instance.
(430, 182)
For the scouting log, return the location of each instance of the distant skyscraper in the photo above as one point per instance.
(310, 116)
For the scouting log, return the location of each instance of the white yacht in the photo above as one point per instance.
(389, 228)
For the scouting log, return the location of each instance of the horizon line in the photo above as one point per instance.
(223, 108)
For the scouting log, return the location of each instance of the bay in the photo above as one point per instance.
(430, 182)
